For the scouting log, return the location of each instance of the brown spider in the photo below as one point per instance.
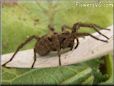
(58, 41)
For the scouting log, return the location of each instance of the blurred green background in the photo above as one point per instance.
(23, 19)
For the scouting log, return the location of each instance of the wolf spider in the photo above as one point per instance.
(58, 41)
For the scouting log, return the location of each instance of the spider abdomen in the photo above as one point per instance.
(42, 47)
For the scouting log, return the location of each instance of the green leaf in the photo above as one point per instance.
(109, 61)
(76, 79)
(89, 80)
(50, 75)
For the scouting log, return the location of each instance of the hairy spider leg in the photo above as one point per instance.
(101, 27)
(77, 26)
(56, 45)
(34, 59)
(59, 54)
(86, 34)
(64, 27)
(21, 46)
(52, 29)
(77, 43)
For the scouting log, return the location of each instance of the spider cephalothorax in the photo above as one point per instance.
(58, 41)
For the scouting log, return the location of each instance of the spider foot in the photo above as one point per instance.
(4, 65)
(32, 66)
(105, 41)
